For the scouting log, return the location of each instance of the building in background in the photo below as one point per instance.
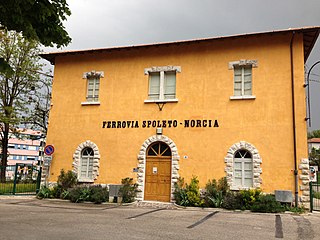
(229, 107)
(23, 148)
(314, 143)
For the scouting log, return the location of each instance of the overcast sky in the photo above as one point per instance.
(107, 23)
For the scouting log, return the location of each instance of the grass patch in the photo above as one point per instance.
(7, 188)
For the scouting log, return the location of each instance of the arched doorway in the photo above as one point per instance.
(158, 172)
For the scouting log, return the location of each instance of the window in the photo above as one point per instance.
(243, 174)
(86, 161)
(242, 79)
(162, 83)
(32, 148)
(93, 87)
(86, 167)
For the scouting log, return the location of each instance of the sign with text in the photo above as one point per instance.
(193, 123)
(47, 160)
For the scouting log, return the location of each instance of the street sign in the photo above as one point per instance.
(313, 173)
(47, 160)
(49, 150)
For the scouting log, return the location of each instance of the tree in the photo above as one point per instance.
(18, 86)
(40, 105)
(314, 134)
(39, 20)
(314, 157)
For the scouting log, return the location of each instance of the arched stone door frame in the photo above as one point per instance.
(142, 163)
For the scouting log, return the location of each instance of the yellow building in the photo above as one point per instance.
(220, 107)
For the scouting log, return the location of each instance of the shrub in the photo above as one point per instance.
(180, 193)
(98, 194)
(297, 210)
(267, 204)
(128, 190)
(67, 179)
(215, 192)
(44, 192)
(188, 194)
(316, 194)
(65, 194)
(93, 193)
(232, 201)
(79, 194)
(56, 191)
(249, 197)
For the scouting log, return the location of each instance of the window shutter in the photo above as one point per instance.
(96, 90)
(154, 85)
(170, 85)
(93, 89)
(237, 81)
(247, 80)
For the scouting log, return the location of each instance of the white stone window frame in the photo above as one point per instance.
(162, 71)
(243, 63)
(90, 75)
(256, 165)
(77, 161)
(142, 163)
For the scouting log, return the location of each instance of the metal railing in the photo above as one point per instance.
(314, 196)
(22, 179)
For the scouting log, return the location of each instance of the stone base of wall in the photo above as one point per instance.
(304, 172)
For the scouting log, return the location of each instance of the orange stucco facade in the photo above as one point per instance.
(203, 90)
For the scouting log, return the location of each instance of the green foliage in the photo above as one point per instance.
(297, 210)
(314, 157)
(188, 194)
(314, 134)
(67, 179)
(45, 192)
(267, 204)
(316, 195)
(65, 194)
(92, 193)
(20, 86)
(249, 197)
(57, 191)
(215, 192)
(128, 190)
(98, 194)
(45, 26)
(232, 200)
(79, 194)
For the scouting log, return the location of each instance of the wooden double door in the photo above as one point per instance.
(158, 173)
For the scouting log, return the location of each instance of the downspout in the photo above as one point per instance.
(294, 124)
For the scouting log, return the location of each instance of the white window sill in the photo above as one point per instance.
(242, 97)
(237, 188)
(90, 103)
(85, 180)
(160, 100)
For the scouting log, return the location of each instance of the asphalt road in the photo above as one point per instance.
(48, 219)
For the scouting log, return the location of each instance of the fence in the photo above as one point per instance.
(315, 194)
(22, 179)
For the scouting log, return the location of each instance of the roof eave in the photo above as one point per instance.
(310, 36)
